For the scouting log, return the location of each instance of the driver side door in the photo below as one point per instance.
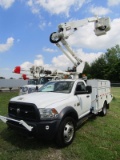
(84, 99)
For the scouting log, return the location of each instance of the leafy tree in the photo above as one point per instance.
(112, 58)
(107, 66)
(98, 68)
(87, 70)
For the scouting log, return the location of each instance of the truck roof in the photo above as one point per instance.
(69, 80)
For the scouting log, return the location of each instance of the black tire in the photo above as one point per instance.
(66, 132)
(54, 40)
(104, 110)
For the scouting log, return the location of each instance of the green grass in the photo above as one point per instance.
(97, 139)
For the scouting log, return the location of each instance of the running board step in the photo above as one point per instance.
(83, 120)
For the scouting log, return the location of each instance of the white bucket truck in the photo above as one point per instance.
(33, 75)
(60, 106)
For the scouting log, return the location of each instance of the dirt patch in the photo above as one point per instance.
(54, 155)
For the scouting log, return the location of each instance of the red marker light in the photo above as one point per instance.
(17, 70)
(25, 77)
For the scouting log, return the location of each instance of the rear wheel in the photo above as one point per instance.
(66, 132)
(104, 110)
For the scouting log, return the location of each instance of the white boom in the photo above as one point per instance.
(102, 25)
(32, 72)
(35, 72)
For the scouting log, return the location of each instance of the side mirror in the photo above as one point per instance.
(89, 89)
(36, 88)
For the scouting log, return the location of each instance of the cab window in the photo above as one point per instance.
(80, 87)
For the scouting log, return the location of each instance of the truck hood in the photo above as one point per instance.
(33, 85)
(41, 99)
(29, 85)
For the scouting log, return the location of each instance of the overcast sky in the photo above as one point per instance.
(25, 27)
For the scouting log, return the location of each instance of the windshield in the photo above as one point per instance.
(32, 81)
(57, 86)
(44, 80)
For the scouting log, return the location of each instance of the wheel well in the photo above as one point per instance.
(107, 104)
(68, 112)
(72, 115)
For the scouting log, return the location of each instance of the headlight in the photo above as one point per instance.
(48, 113)
(24, 89)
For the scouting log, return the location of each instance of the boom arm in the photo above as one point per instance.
(102, 25)
(30, 73)
(37, 72)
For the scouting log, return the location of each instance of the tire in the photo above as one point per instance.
(66, 132)
(104, 110)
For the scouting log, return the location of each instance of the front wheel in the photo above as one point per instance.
(104, 110)
(66, 132)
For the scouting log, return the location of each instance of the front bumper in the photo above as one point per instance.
(42, 129)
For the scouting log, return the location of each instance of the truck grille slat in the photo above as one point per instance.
(24, 111)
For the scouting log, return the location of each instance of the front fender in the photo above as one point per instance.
(68, 112)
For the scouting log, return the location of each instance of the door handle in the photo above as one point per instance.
(87, 96)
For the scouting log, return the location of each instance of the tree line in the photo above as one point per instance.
(107, 66)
